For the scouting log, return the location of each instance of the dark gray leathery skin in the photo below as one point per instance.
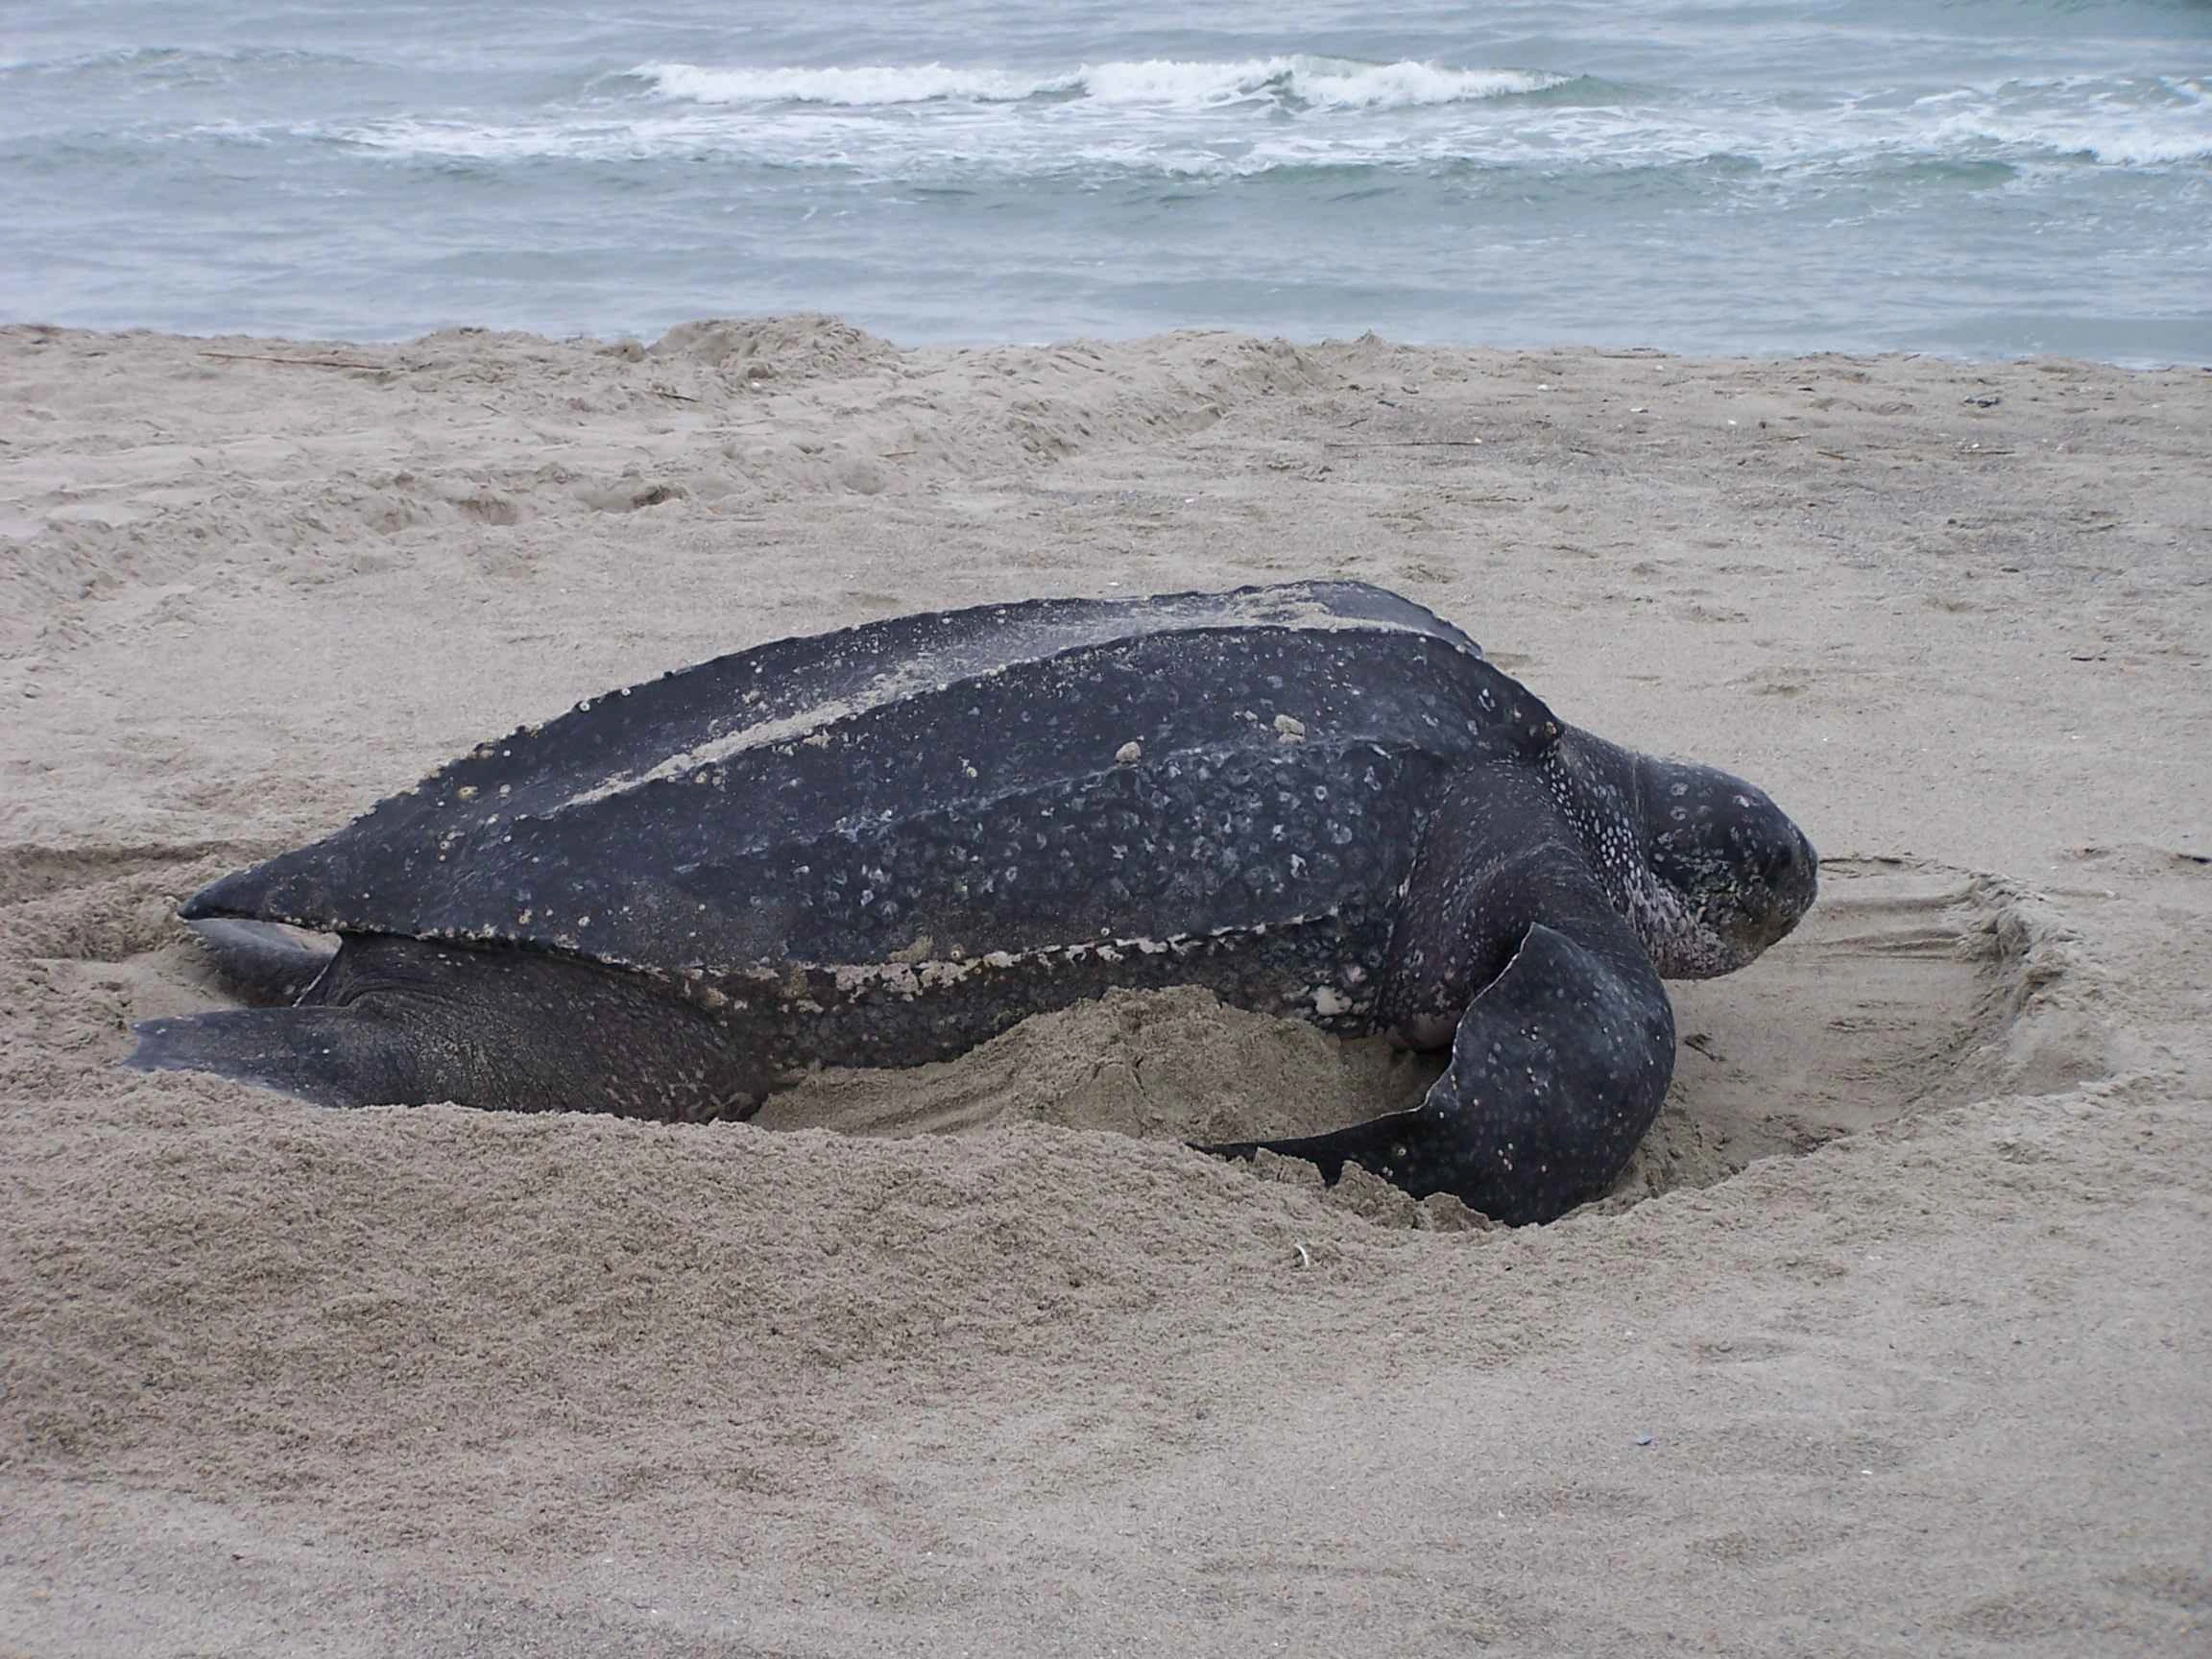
(791, 689)
(865, 834)
(1564, 1043)
(882, 846)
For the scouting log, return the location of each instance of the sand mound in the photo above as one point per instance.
(783, 348)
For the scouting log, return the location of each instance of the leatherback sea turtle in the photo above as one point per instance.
(880, 846)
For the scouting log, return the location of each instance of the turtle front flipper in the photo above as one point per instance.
(1558, 1069)
(1564, 1043)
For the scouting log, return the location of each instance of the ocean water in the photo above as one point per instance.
(1979, 177)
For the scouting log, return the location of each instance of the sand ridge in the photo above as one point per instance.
(1891, 1340)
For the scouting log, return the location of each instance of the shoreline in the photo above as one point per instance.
(1888, 1335)
(647, 338)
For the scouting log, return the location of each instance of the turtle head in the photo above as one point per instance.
(1707, 869)
(1733, 873)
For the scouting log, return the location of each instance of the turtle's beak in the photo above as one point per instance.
(1792, 882)
(1796, 882)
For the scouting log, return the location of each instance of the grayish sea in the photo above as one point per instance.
(1980, 178)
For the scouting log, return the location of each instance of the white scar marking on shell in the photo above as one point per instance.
(804, 726)
(956, 664)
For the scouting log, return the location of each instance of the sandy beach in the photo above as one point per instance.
(1894, 1340)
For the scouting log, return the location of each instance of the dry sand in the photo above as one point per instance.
(1894, 1340)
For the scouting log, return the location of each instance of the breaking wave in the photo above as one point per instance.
(1707, 177)
(1172, 84)
(2138, 123)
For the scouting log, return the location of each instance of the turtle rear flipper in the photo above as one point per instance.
(259, 962)
(1559, 1061)
(330, 1056)
(411, 1022)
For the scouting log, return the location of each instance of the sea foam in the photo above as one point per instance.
(1173, 84)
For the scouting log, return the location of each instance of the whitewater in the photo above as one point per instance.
(1989, 179)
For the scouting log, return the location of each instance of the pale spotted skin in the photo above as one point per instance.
(1706, 868)
(881, 847)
